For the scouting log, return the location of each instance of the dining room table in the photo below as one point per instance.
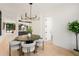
(26, 37)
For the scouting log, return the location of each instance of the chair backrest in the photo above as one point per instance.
(14, 44)
(39, 42)
(30, 46)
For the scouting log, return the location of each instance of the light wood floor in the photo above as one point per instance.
(49, 50)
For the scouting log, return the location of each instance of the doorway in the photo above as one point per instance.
(48, 28)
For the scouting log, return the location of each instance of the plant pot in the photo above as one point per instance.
(76, 50)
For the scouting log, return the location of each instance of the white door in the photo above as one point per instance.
(48, 28)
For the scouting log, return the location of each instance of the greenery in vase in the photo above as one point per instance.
(29, 30)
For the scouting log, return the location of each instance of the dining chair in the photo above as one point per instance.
(14, 45)
(40, 43)
(28, 48)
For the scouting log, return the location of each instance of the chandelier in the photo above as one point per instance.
(26, 17)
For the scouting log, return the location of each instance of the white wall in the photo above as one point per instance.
(61, 16)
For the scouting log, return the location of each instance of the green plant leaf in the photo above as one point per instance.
(73, 26)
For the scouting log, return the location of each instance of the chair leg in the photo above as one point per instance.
(20, 50)
(43, 46)
(34, 51)
(36, 47)
(9, 50)
(22, 53)
(28, 51)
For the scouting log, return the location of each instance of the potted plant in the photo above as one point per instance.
(74, 27)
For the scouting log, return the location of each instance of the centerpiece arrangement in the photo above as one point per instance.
(29, 31)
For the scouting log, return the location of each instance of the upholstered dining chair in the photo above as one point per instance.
(40, 43)
(28, 47)
(14, 45)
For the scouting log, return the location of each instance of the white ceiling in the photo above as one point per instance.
(14, 10)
